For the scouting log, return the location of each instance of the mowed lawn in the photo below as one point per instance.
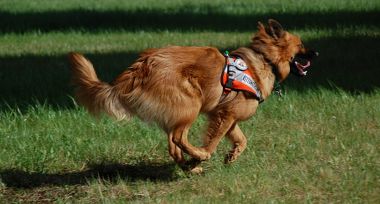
(319, 143)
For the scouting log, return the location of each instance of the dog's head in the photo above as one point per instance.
(283, 49)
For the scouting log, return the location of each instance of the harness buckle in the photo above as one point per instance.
(229, 83)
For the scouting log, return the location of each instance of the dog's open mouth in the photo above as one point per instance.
(302, 62)
(302, 66)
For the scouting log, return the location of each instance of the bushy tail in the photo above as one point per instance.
(95, 95)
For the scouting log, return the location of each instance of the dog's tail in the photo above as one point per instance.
(95, 95)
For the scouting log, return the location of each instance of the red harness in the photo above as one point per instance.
(237, 77)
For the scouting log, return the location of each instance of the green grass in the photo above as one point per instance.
(238, 6)
(58, 43)
(317, 146)
(320, 143)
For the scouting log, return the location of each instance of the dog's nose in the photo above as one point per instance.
(312, 53)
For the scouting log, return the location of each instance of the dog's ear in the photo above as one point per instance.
(275, 29)
(260, 26)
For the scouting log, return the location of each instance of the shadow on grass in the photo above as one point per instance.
(104, 172)
(30, 80)
(351, 64)
(183, 19)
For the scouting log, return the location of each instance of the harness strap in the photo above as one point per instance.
(237, 77)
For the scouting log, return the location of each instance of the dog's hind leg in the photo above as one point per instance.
(179, 138)
(239, 142)
(174, 151)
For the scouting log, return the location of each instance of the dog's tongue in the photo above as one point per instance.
(301, 68)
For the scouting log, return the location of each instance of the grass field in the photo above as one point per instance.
(319, 143)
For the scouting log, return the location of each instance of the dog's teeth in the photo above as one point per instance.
(305, 72)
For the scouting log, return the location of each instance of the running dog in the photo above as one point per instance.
(171, 86)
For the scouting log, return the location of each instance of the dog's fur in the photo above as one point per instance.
(173, 85)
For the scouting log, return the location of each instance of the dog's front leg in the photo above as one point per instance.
(219, 124)
(239, 142)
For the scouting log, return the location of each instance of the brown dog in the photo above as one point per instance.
(173, 85)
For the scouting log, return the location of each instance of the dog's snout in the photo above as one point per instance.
(311, 54)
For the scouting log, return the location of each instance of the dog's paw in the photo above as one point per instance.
(230, 158)
(234, 154)
(196, 170)
(203, 155)
(192, 166)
